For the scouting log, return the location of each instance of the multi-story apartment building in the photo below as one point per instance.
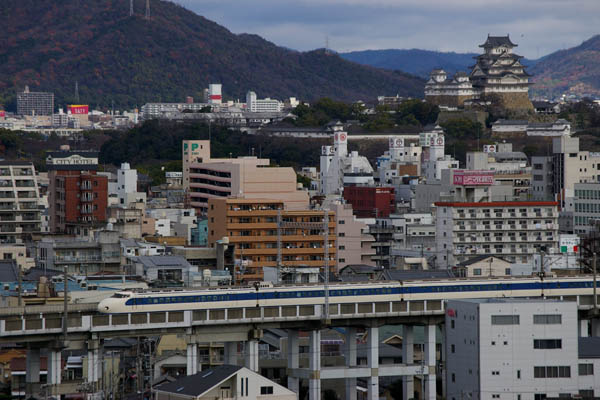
(518, 350)
(556, 175)
(253, 104)
(35, 103)
(77, 195)
(514, 231)
(20, 215)
(249, 177)
(79, 256)
(251, 226)
(354, 245)
(586, 207)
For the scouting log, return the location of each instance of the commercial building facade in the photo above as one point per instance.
(518, 350)
(35, 103)
(77, 195)
(205, 178)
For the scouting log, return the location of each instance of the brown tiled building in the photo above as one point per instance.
(250, 225)
(77, 196)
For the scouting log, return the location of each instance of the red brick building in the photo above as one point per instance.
(369, 201)
(77, 196)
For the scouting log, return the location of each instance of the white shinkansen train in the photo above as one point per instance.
(268, 295)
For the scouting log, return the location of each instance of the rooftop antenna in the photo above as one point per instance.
(326, 44)
(147, 9)
(131, 8)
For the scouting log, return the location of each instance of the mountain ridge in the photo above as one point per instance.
(574, 70)
(131, 60)
(415, 61)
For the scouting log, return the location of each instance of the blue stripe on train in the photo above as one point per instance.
(270, 295)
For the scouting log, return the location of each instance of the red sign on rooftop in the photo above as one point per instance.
(473, 178)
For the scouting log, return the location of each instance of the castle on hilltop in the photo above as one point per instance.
(497, 77)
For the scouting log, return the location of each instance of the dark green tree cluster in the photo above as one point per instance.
(152, 144)
(414, 111)
(584, 116)
(463, 128)
(324, 111)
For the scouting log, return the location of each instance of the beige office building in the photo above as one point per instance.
(244, 177)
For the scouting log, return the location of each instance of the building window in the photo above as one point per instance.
(547, 319)
(452, 324)
(547, 343)
(507, 271)
(453, 348)
(586, 369)
(495, 372)
(342, 247)
(342, 222)
(477, 271)
(552, 372)
(453, 378)
(266, 390)
(342, 234)
(505, 320)
(519, 376)
(539, 396)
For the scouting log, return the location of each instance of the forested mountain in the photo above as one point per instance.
(128, 60)
(575, 70)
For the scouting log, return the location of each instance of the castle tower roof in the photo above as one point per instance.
(496, 41)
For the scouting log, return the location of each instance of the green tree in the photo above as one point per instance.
(462, 128)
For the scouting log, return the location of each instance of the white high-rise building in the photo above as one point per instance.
(338, 168)
(214, 93)
(519, 350)
(254, 104)
(434, 160)
(127, 187)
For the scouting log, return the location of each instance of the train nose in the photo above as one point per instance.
(103, 306)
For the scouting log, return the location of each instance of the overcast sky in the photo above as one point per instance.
(539, 27)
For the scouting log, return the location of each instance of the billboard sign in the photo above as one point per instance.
(473, 178)
(489, 148)
(2, 114)
(569, 243)
(78, 109)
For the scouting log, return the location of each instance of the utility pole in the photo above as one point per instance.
(19, 283)
(65, 306)
(278, 246)
(131, 8)
(595, 285)
(147, 9)
(326, 264)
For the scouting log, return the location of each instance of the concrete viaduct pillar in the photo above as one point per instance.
(251, 355)
(373, 362)
(408, 346)
(192, 358)
(231, 350)
(94, 364)
(350, 355)
(293, 350)
(429, 361)
(314, 382)
(32, 369)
